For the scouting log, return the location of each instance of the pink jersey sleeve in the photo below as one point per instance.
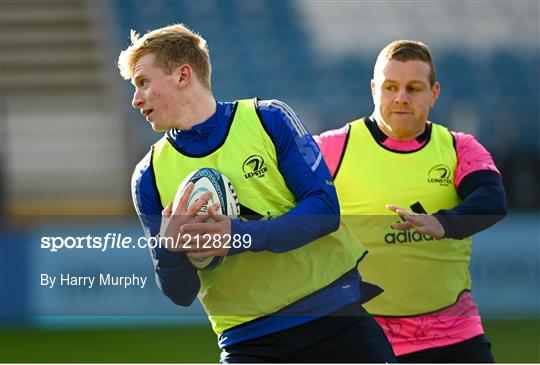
(472, 156)
(331, 144)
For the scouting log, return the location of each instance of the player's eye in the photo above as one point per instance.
(415, 89)
(141, 82)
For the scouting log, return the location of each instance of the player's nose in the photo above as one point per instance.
(137, 101)
(402, 96)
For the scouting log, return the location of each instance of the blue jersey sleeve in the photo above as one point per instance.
(483, 205)
(175, 275)
(307, 176)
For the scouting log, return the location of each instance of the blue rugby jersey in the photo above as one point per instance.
(307, 176)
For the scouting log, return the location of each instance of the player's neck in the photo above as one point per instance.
(198, 107)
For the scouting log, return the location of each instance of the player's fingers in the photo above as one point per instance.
(199, 218)
(404, 212)
(180, 209)
(166, 213)
(392, 207)
(165, 221)
(195, 228)
(189, 228)
(214, 211)
(198, 241)
(198, 204)
(402, 225)
(397, 210)
(416, 220)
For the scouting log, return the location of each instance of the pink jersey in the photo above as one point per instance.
(458, 322)
(472, 156)
(454, 324)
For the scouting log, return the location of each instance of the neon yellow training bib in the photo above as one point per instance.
(418, 273)
(250, 285)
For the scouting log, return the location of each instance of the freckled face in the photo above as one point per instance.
(156, 94)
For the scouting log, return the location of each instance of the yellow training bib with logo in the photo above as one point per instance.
(250, 285)
(418, 273)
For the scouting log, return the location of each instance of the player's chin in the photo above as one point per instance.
(157, 128)
(405, 123)
(403, 118)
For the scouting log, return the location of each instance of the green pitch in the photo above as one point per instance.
(516, 341)
(513, 341)
(133, 345)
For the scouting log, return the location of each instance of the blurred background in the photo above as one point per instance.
(69, 141)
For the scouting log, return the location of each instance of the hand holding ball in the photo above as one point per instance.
(208, 180)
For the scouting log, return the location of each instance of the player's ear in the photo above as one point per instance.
(435, 92)
(373, 86)
(183, 75)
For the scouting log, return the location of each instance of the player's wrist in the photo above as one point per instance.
(166, 257)
(241, 229)
(445, 223)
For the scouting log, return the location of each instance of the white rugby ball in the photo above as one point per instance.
(223, 192)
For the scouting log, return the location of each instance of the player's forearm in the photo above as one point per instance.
(307, 176)
(309, 220)
(177, 278)
(484, 204)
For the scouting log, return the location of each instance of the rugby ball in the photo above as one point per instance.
(223, 192)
